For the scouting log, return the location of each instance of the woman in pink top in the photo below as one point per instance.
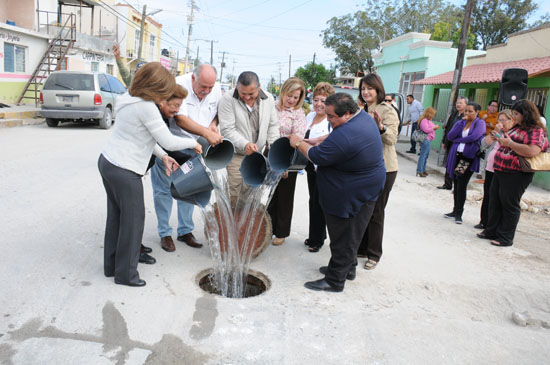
(428, 127)
(505, 123)
(292, 120)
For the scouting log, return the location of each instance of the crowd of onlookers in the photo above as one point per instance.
(352, 161)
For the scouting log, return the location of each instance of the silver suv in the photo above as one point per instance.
(80, 96)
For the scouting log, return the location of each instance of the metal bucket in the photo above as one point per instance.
(219, 156)
(253, 169)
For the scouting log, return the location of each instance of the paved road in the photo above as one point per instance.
(439, 295)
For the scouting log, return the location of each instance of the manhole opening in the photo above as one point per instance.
(256, 283)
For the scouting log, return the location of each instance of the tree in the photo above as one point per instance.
(272, 86)
(355, 37)
(229, 78)
(493, 20)
(311, 75)
(544, 20)
(447, 32)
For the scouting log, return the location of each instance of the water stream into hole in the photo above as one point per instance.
(232, 229)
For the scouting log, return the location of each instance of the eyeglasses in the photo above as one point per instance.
(388, 100)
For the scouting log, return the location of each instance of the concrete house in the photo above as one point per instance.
(481, 77)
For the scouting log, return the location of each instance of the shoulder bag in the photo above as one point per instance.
(540, 162)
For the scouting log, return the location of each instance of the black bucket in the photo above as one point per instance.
(219, 156)
(253, 169)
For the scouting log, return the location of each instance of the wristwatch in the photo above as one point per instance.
(297, 144)
(383, 130)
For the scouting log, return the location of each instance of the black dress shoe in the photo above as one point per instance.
(410, 151)
(190, 240)
(449, 215)
(145, 258)
(146, 249)
(322, 285)
(138, 283)
(485, 236)
(350, 276)
(444, 187)
(480, 226)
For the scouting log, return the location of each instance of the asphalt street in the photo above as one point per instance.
(439, 294)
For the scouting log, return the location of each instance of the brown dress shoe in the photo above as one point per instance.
(190, 240)
(167, 244)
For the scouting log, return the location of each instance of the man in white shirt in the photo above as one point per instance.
(197, 117)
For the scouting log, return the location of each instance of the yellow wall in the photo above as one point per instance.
(520, 46)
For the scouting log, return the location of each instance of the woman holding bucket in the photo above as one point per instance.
(292, 120)
(317, 126)
(373, 96)
(123, 162)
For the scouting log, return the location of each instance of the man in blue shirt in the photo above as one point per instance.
(350, 177)
(415, 111)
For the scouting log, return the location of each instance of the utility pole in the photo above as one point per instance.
(233, 74)
(460, 56)
(197, 58)
(141, 31)
(190, 21)
(280, 81)
(144, 15)
(312, 69)
(289, 63)
(211, 52)
(222, 66)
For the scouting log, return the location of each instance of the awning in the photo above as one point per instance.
(489, 72)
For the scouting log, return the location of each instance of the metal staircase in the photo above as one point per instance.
(51, 60)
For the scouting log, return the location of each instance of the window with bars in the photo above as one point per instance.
(14, 58)
(95, 66)
(136, 40)
(152, 39)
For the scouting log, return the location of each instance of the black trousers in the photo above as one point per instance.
(371, 244)
(345, 236)
(459, 193)
(504, 204)
(413, 143)
(281, 206)
(125, 221)
(317, 225)
(484, 214)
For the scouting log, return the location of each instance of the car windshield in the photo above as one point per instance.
(69, 81)
(354, 92)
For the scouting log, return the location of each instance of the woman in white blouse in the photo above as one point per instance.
(317, 126)
(123, 162)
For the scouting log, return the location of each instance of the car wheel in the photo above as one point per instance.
(52, 122)
(107, 121)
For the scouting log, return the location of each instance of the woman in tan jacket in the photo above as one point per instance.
(372, 95)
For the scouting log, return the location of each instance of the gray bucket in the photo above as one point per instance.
(280, 155)
(299, 161)
(253, 169)
(192, 177)
(201, 199)
(219, 156)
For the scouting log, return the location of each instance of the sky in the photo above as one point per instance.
(257, 35)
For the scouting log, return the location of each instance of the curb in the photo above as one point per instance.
(7, 123)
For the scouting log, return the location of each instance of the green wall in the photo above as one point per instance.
(10, 91)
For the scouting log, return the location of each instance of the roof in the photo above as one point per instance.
(489, 72)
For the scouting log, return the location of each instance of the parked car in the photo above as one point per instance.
(80, 96)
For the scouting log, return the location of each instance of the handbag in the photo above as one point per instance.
(419, 136)
(462, 166)
(540, 162)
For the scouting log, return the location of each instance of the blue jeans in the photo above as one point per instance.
(163, 203)
(423, 158)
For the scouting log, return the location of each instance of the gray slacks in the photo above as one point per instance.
(125, 221)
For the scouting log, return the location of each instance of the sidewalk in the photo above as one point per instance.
(535, 198)
(20, 115)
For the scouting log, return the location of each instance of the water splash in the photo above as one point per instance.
(233, 229)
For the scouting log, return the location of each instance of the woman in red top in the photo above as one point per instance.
(528, 137)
